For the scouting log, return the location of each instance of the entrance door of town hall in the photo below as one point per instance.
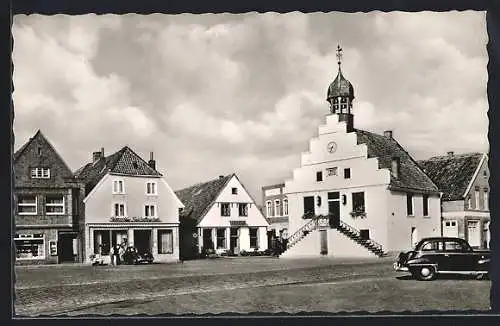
(334, 208)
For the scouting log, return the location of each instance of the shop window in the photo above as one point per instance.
(165, 242)
(30, 246)
(102, 242)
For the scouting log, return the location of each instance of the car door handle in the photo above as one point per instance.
(446, 255)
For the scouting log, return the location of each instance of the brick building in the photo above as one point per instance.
(49, 208)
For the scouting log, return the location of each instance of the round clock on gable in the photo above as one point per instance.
(331, 147)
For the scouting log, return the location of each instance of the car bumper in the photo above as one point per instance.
(397, 267)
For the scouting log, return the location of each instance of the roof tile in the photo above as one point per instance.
(411, 176)
(452, 174)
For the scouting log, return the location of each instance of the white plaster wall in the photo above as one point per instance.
(339, 245)
(400, 224)
(213, 217)
(376, 201)
(98, 204)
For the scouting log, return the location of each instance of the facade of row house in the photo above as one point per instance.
(374, 195)
(48, 206)
(220, 214)
(463, 180)
(275, 209)
(128, 201)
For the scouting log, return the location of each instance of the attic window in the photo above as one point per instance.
(39, 151)
(485, 174)
(234, 191)
(134, 164)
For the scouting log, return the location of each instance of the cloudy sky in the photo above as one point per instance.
(216, 94)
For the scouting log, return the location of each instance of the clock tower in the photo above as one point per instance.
(340, 96)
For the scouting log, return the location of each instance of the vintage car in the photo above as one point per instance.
(134, 256)
(443, 255)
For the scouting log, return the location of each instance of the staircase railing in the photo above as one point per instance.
(358, 233)
(322, 221)
(302, 231)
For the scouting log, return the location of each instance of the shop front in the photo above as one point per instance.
(159, 238)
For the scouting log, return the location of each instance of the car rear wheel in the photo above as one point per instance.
(425, 273)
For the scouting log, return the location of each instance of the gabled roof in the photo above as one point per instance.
(198, 198)
(40, 135)
(411, 177)
(123, 162)
(452, 173)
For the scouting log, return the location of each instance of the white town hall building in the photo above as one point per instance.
(357, 193)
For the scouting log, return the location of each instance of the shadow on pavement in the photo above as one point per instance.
(446, 277)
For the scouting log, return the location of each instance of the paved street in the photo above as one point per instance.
(239, 285)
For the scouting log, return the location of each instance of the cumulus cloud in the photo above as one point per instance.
(215, 94)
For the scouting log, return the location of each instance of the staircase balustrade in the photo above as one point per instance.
(324, 221)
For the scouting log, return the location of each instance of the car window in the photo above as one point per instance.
(432, 245)
(451, 245)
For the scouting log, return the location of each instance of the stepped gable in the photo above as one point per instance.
(198, 198)
(124, 162)
(452, 173)
(411, 176)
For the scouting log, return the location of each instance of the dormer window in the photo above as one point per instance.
(40, 173)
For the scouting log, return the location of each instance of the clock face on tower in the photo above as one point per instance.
(331, 147)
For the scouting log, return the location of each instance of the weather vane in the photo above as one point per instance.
(339, 54)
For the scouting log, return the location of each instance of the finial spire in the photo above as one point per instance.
(339, 55)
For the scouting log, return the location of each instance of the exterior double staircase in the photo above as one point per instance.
(344, 228)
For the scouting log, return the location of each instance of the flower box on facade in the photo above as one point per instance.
(360, 214)
(134, 219)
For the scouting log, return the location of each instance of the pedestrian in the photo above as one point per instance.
(116, 253)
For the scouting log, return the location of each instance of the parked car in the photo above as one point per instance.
(134, 256)
(443, 255)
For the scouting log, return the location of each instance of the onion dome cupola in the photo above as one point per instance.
(340, 92)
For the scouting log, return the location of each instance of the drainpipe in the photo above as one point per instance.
(441, 220)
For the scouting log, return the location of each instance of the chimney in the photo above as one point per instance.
(96, 156)
(450, 153)
(221, 177)
(152, 162)
(388, 134)
(102, 151)
(395, 167)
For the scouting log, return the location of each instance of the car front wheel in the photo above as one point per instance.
(425, 273)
